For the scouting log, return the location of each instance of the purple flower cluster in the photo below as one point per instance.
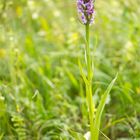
(86, 11)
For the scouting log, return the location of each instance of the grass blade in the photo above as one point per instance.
(81, 72)
(101, 108)
(77, 136)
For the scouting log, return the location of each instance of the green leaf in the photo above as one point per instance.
(77, 136)
(81, 71)
(72, 78)
(1, 136)
(2, 106)
(100, 109)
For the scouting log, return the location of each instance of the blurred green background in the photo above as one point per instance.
(41, 92)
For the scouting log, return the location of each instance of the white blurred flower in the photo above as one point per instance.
(41, 33)
(57, 13)
(31, 5)
(2, 98)
(35, 15)
(87, 136)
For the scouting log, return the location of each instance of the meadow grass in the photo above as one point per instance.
(42, 93)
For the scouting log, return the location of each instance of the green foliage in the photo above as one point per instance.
(100, 109)
(41, 92)
(77, 136)
(19, 126)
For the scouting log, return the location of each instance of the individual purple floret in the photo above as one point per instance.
(86, 11)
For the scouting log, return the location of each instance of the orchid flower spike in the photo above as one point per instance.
(86, 11)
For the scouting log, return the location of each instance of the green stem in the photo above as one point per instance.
(88, 58)
(89, 84)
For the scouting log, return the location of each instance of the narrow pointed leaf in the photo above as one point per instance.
(101, 108)
(81, 71)
(77, 136)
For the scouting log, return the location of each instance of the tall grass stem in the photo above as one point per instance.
(90, 103)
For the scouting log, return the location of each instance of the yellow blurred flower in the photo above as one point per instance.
(19, 11)
(138, 90)
(75, 36)
(2, 53)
